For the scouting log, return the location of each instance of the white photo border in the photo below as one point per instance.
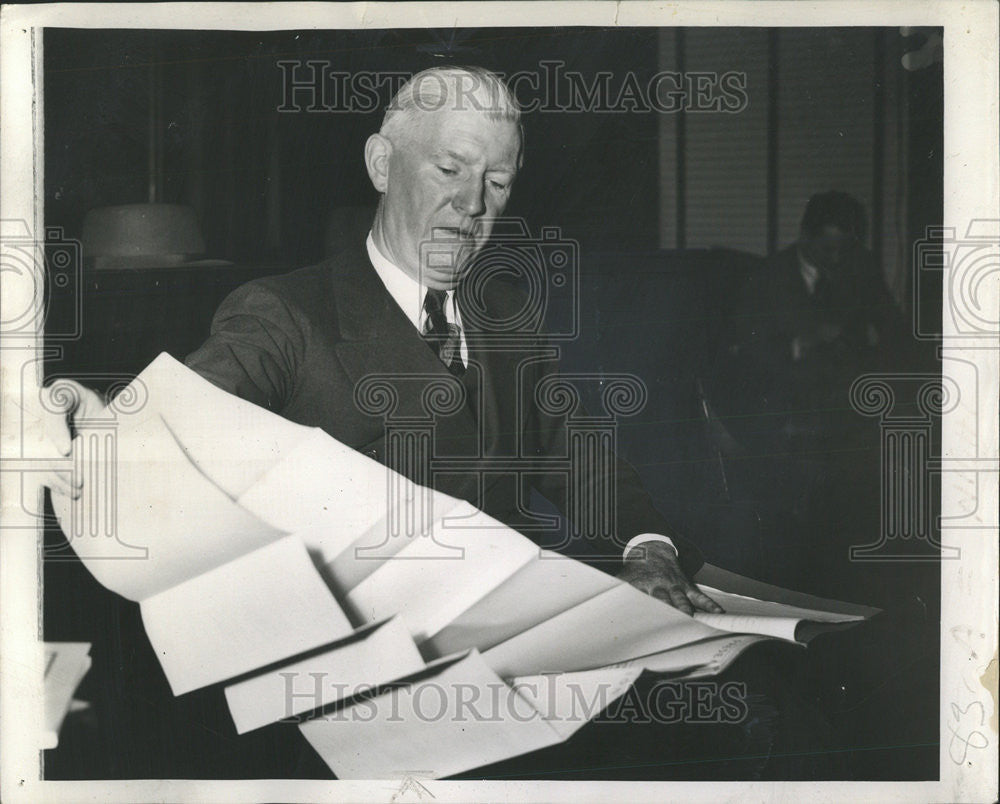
(969, 433)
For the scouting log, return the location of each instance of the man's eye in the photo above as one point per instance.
(447, 171)
(498, 186)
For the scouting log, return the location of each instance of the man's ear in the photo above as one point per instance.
(378, 150)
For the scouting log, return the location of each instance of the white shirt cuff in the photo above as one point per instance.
(647, 537)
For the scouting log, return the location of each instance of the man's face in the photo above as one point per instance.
(448, 179)
(832, 250)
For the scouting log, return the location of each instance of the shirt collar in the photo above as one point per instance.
(406, 291)
(809, 273)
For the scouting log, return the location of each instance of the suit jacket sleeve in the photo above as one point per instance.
(255, 346)
(547, 435)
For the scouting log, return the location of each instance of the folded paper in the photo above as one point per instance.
(311, 581)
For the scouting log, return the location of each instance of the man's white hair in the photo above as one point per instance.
(450, 87)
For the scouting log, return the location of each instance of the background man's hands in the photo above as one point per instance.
(47, 424)
(653, 567)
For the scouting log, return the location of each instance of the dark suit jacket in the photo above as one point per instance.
(789, 361)
(300, 343)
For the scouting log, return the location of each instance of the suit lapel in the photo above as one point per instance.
(376, 337)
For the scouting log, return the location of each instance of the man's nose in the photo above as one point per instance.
(470, 199)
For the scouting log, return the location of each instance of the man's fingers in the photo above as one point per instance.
(671, 587)
(659, 592)
(680, 601)
(704, 602)
(672, 597)
(65, 483)
(61, 439)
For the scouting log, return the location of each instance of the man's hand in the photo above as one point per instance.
(653, 567)
(47, 424)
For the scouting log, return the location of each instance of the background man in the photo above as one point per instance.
(815, 318)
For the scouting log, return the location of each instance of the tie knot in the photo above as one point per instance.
(434, 301)
(444, 337)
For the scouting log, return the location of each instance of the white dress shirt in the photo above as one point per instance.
(409, 294)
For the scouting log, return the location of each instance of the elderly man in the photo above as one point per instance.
(444, 165)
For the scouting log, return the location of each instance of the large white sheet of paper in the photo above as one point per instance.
(267, 605)
(229, 439)
(207, 487)
(380, 654)
(148, 518)
(459, 716)
(547, 585)
(430, 584)
(619, 624)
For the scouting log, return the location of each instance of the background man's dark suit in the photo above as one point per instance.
(794, 352)
(782, 387)
(300, 343)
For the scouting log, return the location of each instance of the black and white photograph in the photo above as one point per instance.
(524, 401)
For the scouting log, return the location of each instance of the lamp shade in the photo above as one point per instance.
(142, 234)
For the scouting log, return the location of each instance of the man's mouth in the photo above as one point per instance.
(453, 233)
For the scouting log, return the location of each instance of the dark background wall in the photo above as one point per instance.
(263, 181)
(830, 108)
(193, 118)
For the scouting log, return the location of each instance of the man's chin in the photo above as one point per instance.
(441, 280)
(449, 267)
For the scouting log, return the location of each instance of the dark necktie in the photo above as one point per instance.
(444, 338)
